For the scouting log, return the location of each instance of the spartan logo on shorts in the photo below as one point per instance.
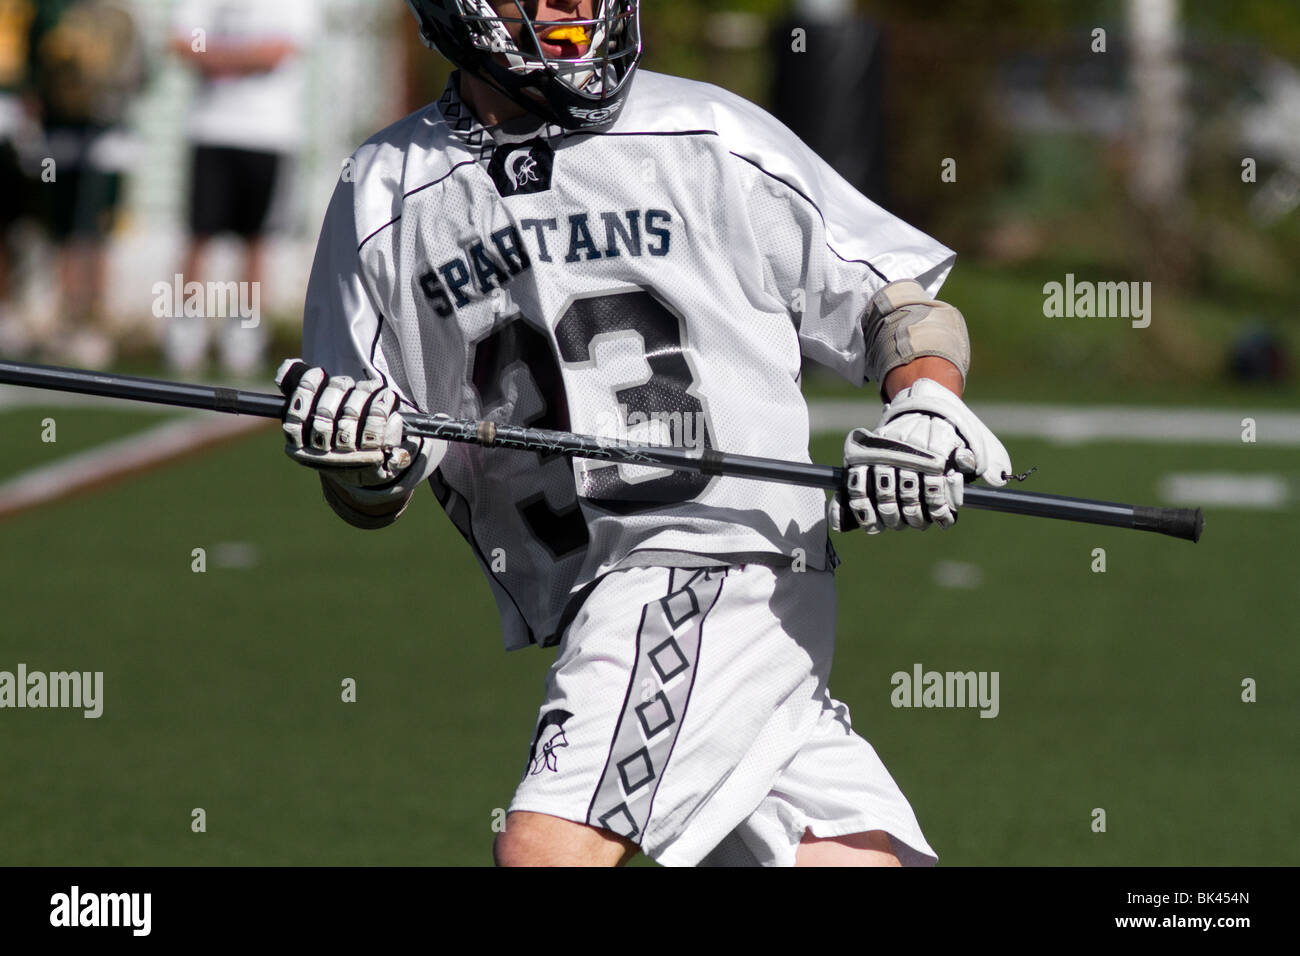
(521, 168)
(549, 737)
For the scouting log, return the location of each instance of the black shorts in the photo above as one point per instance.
(81, 202)
(231, 190)
(16, 188)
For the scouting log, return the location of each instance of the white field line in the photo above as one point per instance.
(1069, 425)
(1266, 492)
(117, 459)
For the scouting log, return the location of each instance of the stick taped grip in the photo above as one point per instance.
(289, 384)
(1185, 523)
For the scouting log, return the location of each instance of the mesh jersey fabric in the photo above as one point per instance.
(662, 280)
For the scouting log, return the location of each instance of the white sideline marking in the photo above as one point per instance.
(1070, 425)
(148, 449)
(1223, 490)
(958, 574)
(239, 555)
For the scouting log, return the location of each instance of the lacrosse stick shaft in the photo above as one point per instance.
(158, 392)
(1185, 523)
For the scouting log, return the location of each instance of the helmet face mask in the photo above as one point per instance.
(584, 91)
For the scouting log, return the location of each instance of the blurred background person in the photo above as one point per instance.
(86, 65)
(247, 123)
(15, 30)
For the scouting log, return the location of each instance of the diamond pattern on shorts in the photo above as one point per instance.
(645, 737)
(637, 765)
(668, 660)
(680, 608)
(620, 821)
(655, 715)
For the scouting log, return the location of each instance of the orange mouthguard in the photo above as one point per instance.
(574, 35)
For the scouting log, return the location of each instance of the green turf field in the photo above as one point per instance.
(222, 690)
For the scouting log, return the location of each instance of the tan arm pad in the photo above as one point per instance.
(903, 324)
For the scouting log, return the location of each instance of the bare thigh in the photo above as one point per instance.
(873, 848)
(539, 839)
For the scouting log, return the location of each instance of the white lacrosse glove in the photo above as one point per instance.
(349, 431)
(911, 471)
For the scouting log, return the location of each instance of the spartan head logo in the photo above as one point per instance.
(522, 169)
(519, 168)
(548, 739)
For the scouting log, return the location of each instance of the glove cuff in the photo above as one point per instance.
(397, 493)
(341, 503)
(926, 396)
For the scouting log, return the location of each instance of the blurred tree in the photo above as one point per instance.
(1270, 22)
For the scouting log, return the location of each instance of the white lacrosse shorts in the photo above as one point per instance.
(688, 711)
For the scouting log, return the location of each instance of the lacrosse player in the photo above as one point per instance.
(564, 241)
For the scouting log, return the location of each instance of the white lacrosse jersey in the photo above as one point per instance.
(660, 281)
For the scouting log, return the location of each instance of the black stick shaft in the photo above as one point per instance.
(155, 391)
(1185, 523)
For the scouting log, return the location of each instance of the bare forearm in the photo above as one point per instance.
(235, 60)
(927, 366)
